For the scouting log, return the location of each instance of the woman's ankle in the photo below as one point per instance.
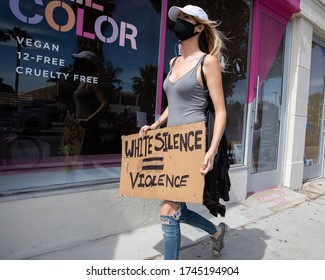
(217, 233)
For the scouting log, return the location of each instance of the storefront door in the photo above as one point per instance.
(266, 99)
(315, 127)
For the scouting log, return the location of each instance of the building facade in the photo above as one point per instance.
(58, 189)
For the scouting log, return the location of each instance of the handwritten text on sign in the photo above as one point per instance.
(165, 164)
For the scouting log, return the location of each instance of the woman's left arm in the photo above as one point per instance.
(212, 71)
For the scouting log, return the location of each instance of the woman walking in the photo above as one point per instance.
(187, 103)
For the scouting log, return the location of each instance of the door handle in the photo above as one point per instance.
(257, 97)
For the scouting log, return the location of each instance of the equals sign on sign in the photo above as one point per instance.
(153, 163)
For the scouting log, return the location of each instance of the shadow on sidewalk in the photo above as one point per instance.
(240, 244)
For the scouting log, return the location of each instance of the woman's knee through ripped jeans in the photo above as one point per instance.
(171, 229)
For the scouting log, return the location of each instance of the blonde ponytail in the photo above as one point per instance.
(211, 40)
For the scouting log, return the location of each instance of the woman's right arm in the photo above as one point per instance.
(159, 122)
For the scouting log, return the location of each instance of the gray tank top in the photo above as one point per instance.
(187, 101)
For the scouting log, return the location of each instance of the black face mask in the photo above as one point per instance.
(184, 30)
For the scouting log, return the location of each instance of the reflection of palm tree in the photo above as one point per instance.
(145, 86)
(110, 81)
(4, 87)
(4, 37)
(14, 33)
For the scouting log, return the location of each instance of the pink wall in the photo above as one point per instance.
(285, 7)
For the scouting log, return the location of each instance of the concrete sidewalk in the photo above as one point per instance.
(275, 223)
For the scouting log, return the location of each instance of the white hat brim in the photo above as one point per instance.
(191, 10)
(173, 12)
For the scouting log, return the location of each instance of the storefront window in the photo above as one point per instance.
(77, 75)
(63, 110)
(234, 18)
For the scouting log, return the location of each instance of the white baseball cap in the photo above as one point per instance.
(189, 9)
(84, 55)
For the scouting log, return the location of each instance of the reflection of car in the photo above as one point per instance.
(30, 117)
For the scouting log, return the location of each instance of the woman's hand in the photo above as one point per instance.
(207, 163)
(82, 122)
(143, 131)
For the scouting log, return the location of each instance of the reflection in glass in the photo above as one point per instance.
(267, 125)
(42, 87)
(315, 105)
(37, 81)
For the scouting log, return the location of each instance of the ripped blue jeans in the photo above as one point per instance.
(172, 232)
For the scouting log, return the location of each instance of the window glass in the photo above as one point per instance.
(234, 19)
(50, 131)
(315, 106)
(62, 116)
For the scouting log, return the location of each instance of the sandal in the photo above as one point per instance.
(218, 243)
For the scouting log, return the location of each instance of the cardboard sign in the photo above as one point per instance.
(165, 164)
(72, 139)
